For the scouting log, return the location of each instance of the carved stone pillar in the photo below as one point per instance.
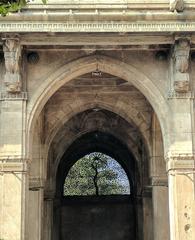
(160, 208)
(12, 54)
(181, 172)
(181, 81)
(13, 183)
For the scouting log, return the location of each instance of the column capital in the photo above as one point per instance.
(180, 161)
(13, 164)
(159, 181)
(36, 183)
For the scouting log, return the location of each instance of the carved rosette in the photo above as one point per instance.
(12, 54)
(181, 64)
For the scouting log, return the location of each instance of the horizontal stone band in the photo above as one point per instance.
(96, 27)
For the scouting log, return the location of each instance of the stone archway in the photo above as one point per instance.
(105, 64)
(139, 120)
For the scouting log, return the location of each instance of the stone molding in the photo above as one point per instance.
(13, 96)
(159, 181)
(97, 26)
(181, 161)
(13, 164)
(36, 183)
(180, 95)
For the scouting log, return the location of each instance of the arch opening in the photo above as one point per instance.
(80, 122)
(97, 209)
(96, 174)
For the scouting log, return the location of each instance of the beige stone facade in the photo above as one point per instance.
(123, 68)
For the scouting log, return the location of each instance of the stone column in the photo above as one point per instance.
(13, 160)
(159, 182)
(181, 196)
(13, 182)
(179, 146)
(13, 167)
(48, 216)
(147, 220)
(160, 208)
(35, 209)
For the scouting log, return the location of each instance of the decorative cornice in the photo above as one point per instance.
(13, 96)
(97, 26)
(182, 161)
(13, 164)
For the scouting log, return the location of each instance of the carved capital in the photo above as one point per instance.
(13, 96)
(12, 54)
(177, 5)
(159, 181)
(36, 183)
(13, 164)
(181, 64)
(180, 161)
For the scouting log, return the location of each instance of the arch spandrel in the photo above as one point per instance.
(105, 64)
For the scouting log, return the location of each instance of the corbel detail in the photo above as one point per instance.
(177, 5)
(181, 52)
(12, 54)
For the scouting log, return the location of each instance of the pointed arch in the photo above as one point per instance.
(105, 64)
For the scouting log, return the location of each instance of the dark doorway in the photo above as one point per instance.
(105, 217)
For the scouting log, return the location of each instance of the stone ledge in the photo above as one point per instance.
(97, 27)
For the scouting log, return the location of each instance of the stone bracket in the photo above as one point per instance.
(181, 51)
(12, 54)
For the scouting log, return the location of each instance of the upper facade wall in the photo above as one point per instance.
(102, 16)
